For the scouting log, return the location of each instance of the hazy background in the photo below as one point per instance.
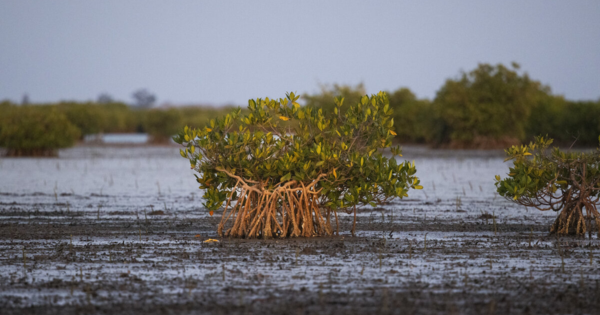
(229, 51)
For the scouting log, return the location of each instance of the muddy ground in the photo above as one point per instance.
(91, 233)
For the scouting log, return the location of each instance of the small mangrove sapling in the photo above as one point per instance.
(565, 182)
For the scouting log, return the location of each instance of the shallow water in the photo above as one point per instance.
(84, 223)
(118, 138)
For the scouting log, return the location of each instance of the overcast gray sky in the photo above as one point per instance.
(219, 52)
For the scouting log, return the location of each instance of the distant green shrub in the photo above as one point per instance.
(161, 124)
(547, 118)
(567, 122)
(200, 116)
(485, 108)
(581, 123)
(412, 116)
(120, 118)
(93, 118)
(35, 131)
(88, 117)
(325, 99)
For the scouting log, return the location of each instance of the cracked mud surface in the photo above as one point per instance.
(116, 230)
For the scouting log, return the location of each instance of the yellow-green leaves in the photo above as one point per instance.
(285, 178)
(342, 145)
(364, 100)
(541, 178)
(396, 151)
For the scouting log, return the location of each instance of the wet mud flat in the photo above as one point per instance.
(395, 265)
(98, 235)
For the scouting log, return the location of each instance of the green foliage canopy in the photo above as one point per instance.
(554, 180)
(279, 141)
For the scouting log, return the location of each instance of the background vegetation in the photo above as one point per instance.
(35, 130)
(489, 107)
(492, 106)
(88, 118)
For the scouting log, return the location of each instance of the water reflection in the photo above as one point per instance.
(117, 138)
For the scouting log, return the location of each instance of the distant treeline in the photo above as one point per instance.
(40, 129)
(489, 107)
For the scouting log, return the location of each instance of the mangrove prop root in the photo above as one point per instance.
(290, 209)
(572, 220)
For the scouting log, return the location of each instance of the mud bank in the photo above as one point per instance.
(122, 232)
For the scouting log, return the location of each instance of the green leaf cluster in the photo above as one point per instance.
(278, 140)
(540, 176)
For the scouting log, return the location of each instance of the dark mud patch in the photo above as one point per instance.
(79, 264)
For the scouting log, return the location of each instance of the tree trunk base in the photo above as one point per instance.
(573, 221)
(573, 226)
(289, 210)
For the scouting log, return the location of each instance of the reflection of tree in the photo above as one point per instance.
(143, 98)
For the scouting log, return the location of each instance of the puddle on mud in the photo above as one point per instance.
(83, 224)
